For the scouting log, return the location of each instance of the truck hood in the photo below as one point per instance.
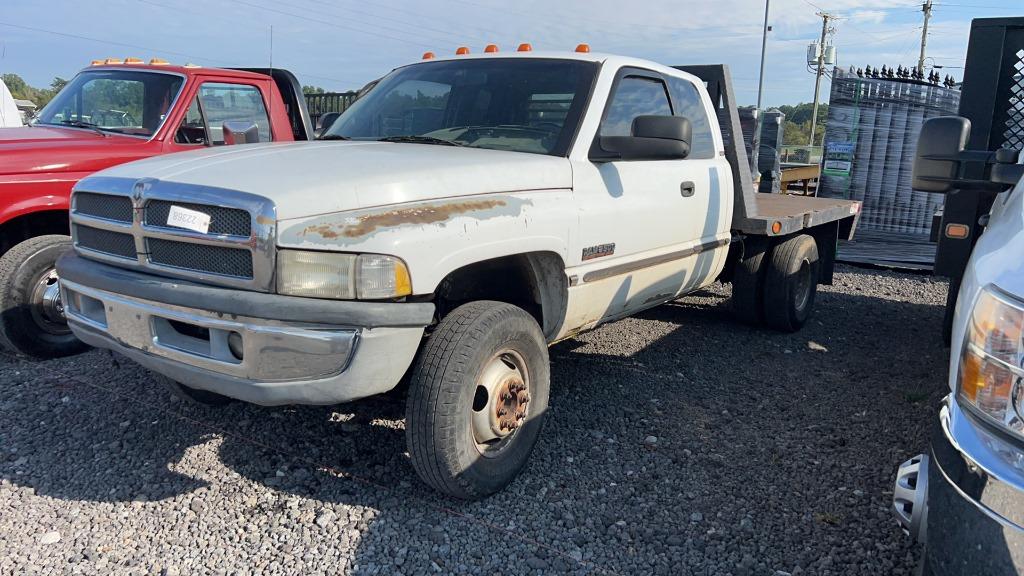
(33, 149)
(311, 178)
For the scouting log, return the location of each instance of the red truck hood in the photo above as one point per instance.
(34, 149)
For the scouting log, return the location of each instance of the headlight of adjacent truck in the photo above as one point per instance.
(341, 276)
(991, 379)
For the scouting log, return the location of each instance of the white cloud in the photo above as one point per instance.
(869, 16)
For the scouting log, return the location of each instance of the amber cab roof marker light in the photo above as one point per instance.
(113, 61)
(491, 48)
(158, 62)
(583, 48)
(461, 50)
(132, 60)
(97, 63)
(428, 55)
(524, 47)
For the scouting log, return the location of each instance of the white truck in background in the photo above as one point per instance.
(456, 220)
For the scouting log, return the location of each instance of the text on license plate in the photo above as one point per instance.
(188, 219)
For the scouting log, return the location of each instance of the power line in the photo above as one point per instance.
(151, 49)
(329, 23)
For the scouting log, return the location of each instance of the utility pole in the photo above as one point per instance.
(927, 9)
(821, 71)
(756, 144)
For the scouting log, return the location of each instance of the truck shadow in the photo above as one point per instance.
(749, 424)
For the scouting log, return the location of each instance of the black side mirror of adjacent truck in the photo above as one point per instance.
(942, 155)
(652, 138)
(240, 132)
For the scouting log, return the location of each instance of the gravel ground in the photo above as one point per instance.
(677, 442)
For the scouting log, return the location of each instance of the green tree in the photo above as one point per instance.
(312, 90)
(38, 96)
(798, 123)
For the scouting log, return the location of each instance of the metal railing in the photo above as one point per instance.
(320, 104)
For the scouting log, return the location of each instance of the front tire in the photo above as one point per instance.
(31, 312)
(477, 399)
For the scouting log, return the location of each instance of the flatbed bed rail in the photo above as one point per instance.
(765, 214)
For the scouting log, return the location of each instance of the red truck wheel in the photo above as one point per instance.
(31, 313)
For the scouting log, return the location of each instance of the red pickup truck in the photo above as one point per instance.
(112, 112)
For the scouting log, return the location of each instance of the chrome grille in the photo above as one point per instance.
(237, 250)
(222, 220)
(105, 241)
(215, 259)
(105, 206)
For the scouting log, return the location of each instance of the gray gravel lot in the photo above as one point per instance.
(677, 442)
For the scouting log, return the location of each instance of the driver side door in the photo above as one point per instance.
(640, 221)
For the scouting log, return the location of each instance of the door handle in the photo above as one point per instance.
(686, 189)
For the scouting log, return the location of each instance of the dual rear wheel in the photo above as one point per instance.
(775, 284)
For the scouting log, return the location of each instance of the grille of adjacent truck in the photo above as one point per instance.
(200, 257)
(230, 221)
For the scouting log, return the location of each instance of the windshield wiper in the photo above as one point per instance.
(413, 139)
(83, 124)
(333, 137)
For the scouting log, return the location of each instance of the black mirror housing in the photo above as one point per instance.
(653, 138)
(937, 161)
(326, 121)
(240, 132)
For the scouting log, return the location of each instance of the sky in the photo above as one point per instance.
(342, 44)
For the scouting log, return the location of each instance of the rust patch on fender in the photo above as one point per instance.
(359, 226)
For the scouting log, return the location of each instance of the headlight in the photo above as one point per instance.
(341, 276)
(991, 377)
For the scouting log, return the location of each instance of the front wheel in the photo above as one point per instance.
(477, 398)
(31, 312)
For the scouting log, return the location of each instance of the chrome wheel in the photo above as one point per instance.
(46, 307)
(501, 402)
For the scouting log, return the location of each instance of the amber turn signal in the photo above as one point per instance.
(583, 48)
(461, 51)
(524, 47)
(428, 55)
(491, 48)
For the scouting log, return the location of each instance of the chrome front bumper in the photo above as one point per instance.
(300, 351)
(975, 499)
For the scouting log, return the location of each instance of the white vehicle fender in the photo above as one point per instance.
(437, 237)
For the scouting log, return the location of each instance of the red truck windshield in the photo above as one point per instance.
(133, 102)
(519, 104)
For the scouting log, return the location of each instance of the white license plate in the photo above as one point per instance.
(189, 219)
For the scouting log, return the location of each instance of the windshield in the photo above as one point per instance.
(522, 104)
(124, 101)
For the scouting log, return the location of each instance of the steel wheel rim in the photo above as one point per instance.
(803, 285)
(501, 402)
(46, 306)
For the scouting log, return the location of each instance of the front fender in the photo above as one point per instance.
(438, 237)
(26, 193)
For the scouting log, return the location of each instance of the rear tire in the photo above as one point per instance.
(482, 358)
(748, 282)
(790, 283)
(31, 314)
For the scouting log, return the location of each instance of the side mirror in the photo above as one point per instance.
(937, 162)
(240, 132)
(653, 138)
(326, 121)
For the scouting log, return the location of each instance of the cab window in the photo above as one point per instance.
(217, 103)
(634, 96)
(689, 104)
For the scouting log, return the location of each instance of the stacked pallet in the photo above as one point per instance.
(870, 140)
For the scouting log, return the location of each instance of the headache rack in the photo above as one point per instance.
(757, 213)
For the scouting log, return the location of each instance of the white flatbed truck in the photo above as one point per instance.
(460, 217)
